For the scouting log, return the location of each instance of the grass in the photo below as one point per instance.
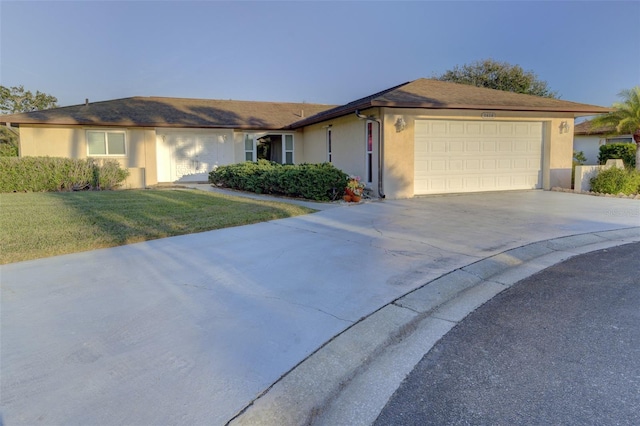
(36, 225)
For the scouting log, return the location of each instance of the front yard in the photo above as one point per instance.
(36, 225)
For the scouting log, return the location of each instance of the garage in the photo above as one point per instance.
(189, 156)
(470, 156)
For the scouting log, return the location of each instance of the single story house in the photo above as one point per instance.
(588, 139)
(421, 137)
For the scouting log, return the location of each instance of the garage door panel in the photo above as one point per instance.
(484, 157)
(472, 164)
(457, 165)
(437, 147)
(504, 164)
(473, 147)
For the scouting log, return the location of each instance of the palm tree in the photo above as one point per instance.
(625, 119)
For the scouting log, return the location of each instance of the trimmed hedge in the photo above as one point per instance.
(616, 181)
(322, 182)
(42, 174)
(624, 151)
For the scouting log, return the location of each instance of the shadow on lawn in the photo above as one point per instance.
(123, 217)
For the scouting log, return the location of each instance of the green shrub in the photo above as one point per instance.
(616, 181)
(41, 174)
(108, 174)
(624, 151)
(8, 150)
(312, 181)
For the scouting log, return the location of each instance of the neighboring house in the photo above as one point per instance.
(588, 139)
(421, 137)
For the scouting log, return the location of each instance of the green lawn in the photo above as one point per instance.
(35, 225)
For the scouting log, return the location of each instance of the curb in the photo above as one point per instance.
(350, 378)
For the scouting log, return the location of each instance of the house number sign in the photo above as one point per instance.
(488, 115)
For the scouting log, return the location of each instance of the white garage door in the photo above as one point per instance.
(470, 156)
(185, 156)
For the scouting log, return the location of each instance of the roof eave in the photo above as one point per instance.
(577, 112)
(142, 125)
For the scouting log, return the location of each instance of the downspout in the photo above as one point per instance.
(380, 150)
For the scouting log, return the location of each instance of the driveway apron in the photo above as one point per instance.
(191, 329)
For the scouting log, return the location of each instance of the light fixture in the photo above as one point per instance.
(564, 127)
(400, 124)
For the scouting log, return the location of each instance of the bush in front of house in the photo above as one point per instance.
(624, 151)
(8, 150)
(616, 181)
(321, 182)
(43, 174)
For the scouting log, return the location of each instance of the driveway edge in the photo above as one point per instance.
(351, 377)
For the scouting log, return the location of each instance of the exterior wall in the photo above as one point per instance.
(314, 144)
(589, 145)
(348, 144)
(560, 154)
(348, 135)
(399, 149)
(71, 142)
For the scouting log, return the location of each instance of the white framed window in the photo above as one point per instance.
(620, 139)
(249, 148)
(329, 147)
(106, 142)
(369, 151)
(288, 149)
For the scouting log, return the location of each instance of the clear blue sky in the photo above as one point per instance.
(322, 52)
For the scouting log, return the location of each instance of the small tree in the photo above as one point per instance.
(14, 100)
(498, 75)
(625, 119)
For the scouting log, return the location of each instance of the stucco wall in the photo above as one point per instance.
(399, 149)
(348, 144)
(348, 135)
(560, 154)
(71, 142)
(590, 146)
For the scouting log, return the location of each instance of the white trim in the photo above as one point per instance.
(254, 153)
(368, 153)
(329, 140)
(285, 150)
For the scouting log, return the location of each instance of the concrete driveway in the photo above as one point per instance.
(191, 329)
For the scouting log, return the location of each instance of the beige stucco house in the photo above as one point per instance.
(421, 137)
(588, 139)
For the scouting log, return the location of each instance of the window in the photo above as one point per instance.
(288, 149)
(248, 148)
(329, 144)
(105, 142)
(620, 139)
(369, 149)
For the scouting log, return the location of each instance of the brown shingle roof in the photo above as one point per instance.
(435, 94)
(586, 128)
(173, 112)
(207, 113)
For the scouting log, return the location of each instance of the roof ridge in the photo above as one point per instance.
(175, 98)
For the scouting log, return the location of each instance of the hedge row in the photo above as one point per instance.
(41, 174)
(624, 151)
(617, 181)
(320, 182)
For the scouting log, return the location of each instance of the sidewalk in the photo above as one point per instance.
(195, 329)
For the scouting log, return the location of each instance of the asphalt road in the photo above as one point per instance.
(561, 347)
